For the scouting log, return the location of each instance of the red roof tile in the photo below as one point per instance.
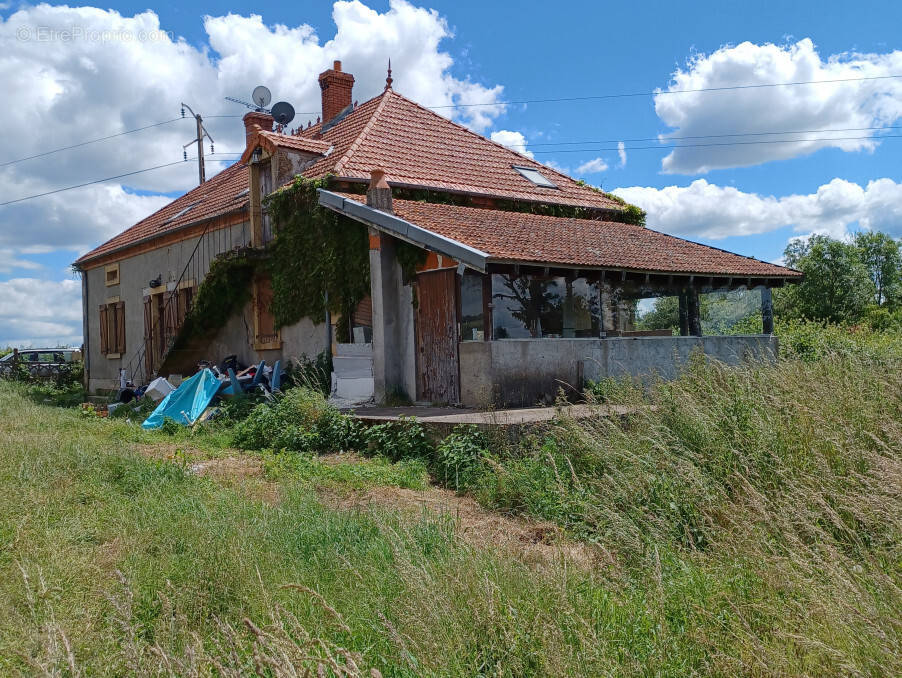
(417, 147)
(529, 238)
(273, 140)
(224, 193)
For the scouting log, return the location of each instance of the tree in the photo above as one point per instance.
(882, 255)
(837, 286)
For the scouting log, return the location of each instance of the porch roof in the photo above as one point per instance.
(481, 236)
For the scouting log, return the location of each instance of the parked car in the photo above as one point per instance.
(40, 362)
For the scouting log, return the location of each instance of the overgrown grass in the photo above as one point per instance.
(749, 521)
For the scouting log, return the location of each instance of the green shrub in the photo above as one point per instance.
(402, 439)
(460, 457)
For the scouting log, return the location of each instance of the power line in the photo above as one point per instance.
(624, 95)
(727, 143)
(85, 143)
(97, 181)
(703, 136)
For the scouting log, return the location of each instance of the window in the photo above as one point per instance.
(266, 335)
(472, 327)
(535, 176)
(112, 329)
(111, 275)
(182, 212)
(535, 307)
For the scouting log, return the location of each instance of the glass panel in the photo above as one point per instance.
(471, 318)
(533, 307)
(535, 176)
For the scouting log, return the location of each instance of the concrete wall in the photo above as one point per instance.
(515, 372)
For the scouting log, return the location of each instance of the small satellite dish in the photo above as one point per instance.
(261, 96)
(283, 113)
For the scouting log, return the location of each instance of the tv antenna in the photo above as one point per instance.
(282, 112)
(201, 133)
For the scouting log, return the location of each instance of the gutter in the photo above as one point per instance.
(404, 230)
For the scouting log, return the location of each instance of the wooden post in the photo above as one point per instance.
(684, 313)
(695, 321)
(767, 311)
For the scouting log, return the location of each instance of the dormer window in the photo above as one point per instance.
(535, 176)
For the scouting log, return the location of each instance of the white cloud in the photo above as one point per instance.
(621, 153)
(9, 262)
(707, 210)
(512, 140)
(593, 166)
(36, 312)
(837, 105)
(81, 72)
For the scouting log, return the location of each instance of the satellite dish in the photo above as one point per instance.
(283, 113)
(261, 96)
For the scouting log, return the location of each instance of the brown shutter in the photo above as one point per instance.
(148, 337)
(363, 314)
(120, 326)
(104, 330)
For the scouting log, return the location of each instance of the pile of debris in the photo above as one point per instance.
(194, 399)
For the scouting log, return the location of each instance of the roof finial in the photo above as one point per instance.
(388, 80)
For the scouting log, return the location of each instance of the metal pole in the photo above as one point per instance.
(200, 147)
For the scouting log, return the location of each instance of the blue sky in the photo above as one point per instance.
(747, 198)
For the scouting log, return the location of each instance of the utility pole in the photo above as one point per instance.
(201, 133)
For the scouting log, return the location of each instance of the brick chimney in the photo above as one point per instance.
(265, 120)
(336, 87)
(379, 194)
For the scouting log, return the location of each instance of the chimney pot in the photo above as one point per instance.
(336, 66)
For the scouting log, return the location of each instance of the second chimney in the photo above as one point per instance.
(379, 193)
(265, 120)
(336, 87)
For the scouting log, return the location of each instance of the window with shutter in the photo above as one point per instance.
(119, 312)
(266, 336)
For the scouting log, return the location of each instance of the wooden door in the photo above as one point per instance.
(437, 359)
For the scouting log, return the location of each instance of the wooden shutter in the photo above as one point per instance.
(104, 330)
(148, 337)
(119, 311)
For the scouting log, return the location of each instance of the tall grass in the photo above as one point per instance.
(760, 507)
(747, 521)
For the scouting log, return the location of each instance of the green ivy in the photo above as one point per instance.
(410, 257)
(224, 291)
(319, 260)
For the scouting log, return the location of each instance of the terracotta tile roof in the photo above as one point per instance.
(273, 140)
(417, 147)
(224, 193)
(529, 238)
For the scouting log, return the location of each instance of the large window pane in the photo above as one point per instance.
(544, 307)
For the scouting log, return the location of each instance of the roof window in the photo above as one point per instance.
(535, 176)
(182, 212)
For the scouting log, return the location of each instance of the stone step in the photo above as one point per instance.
(351, 367)
(353, 350)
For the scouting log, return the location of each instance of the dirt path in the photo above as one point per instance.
(537, 543)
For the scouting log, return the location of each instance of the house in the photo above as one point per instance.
(524, 280)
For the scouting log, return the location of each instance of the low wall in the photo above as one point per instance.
(523, 372)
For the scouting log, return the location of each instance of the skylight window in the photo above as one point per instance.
(182, 212)
(535, 176)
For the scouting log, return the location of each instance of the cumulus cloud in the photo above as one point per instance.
(621, 153)
(854, 104)
(80, 73)
(9, 262)
(512, 140)
(36, 312)
(705, 210)
(593, 166)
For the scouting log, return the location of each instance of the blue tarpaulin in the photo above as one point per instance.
(186, 403)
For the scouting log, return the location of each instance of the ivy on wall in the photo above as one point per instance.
(318, 260)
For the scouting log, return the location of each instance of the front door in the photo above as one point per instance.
(437, 361)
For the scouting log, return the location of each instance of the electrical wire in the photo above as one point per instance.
(92, 141)
(100, 181)
(725, 143)
(624, 95)
(664, 137)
